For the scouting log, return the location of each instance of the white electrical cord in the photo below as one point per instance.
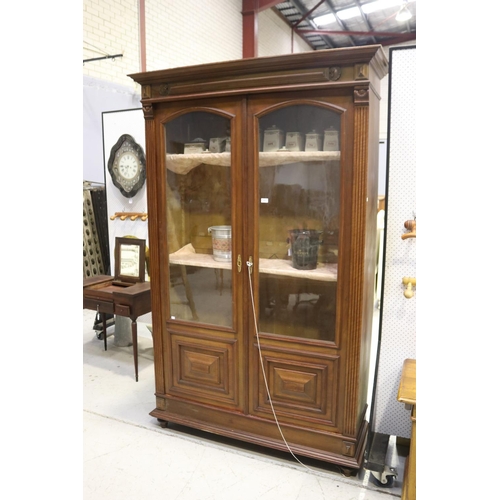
(249, 266)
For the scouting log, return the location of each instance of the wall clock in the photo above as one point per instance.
(127, 166)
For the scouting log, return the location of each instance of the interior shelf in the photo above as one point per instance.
(187, 256)
(183, 163)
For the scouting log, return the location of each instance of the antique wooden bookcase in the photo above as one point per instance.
(255, 336)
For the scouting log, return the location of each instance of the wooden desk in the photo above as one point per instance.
(407, 394)
(99, 294)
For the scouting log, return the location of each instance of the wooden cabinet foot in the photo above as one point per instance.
(348, 471)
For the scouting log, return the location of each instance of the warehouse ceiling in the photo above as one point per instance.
(350, 22)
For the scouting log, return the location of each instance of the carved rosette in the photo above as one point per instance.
(334, 73)
(164, 89)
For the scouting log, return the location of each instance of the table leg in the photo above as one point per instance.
(189, 293)
(134, 342)
(409, 490)
(103, 316)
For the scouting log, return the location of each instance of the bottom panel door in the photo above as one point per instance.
(204, 370)
(302, 388)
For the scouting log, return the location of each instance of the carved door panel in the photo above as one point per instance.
(295, 359)
(203, 237)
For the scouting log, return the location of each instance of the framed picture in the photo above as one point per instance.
(130, 260)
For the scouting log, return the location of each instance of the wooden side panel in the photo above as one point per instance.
(358, 221)
(153, 178)
(370, 248)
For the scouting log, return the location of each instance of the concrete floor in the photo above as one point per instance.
(127, 455)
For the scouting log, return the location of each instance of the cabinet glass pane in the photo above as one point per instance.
(199, 218)
(299, 208)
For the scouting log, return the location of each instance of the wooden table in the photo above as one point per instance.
(101, 295)
(407, 394)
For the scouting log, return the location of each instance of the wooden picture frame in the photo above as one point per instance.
(130, 260)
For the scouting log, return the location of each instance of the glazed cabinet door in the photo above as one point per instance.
(294, 346)
(202, 251)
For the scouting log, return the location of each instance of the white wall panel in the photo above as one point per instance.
(100, 96)
(398, 315)
(114, 125)
(275, 36)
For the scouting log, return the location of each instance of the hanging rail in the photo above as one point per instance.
(93, 185)
(101, 58)
(132, 215)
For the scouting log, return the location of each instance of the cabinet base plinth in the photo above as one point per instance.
(240, 427)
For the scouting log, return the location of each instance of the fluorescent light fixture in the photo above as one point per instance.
(404, 14)
(324, 20)
(368, 8)
(348, 13)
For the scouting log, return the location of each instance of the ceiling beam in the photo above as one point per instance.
(288, 23)
(365, 19)
(308, 13)
(303, 11)
(250, 10)
(400, 38)
(339, 21)
(259, 5)
(361, 33)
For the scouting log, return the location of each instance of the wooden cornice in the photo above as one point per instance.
(369, 54)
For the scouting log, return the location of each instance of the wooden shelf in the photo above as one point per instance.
(324, 272)
(182, 164)
(186, 256)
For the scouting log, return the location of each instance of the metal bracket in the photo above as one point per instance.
(250, 264)
(385, 477)
(376, 458)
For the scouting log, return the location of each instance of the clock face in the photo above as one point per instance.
(127, 166)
